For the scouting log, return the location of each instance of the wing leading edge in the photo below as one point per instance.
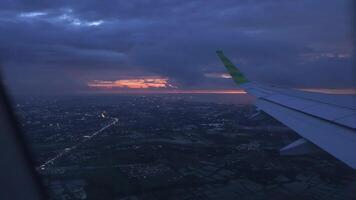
(327, 121)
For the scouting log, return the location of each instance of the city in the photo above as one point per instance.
(171, 147)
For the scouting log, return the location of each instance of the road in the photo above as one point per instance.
(69, 149)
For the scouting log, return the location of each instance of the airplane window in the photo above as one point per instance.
(131, 100)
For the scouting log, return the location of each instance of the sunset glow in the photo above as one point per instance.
(151, 86)
(165, 91)
(131, 83)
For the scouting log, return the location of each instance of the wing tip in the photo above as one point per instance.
(237, 76)
(220, 52)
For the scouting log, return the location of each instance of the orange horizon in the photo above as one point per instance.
(159, 85)
(108, 90)
(170, 91)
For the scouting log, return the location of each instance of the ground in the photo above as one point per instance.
(171, 147)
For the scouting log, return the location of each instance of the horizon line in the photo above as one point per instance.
(168, 92)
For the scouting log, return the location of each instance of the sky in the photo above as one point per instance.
(88, 46)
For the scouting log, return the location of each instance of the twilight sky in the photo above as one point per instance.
(89, 45)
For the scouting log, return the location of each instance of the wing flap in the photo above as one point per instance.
(320, 110)
(348, 121)
(343, 116)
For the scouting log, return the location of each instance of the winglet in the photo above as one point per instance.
(238, 77)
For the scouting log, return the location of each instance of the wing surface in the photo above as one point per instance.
(328, 121)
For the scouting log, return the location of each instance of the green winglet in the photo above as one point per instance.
(238, 77)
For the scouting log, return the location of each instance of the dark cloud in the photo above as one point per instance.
(294, 43)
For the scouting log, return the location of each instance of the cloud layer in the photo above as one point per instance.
(59, 46)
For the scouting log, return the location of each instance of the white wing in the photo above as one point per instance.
(328, 121)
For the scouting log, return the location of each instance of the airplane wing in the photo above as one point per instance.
(325, 120)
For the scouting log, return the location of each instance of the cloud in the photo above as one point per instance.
(293, 43)
(32, 14)
(217, 75)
